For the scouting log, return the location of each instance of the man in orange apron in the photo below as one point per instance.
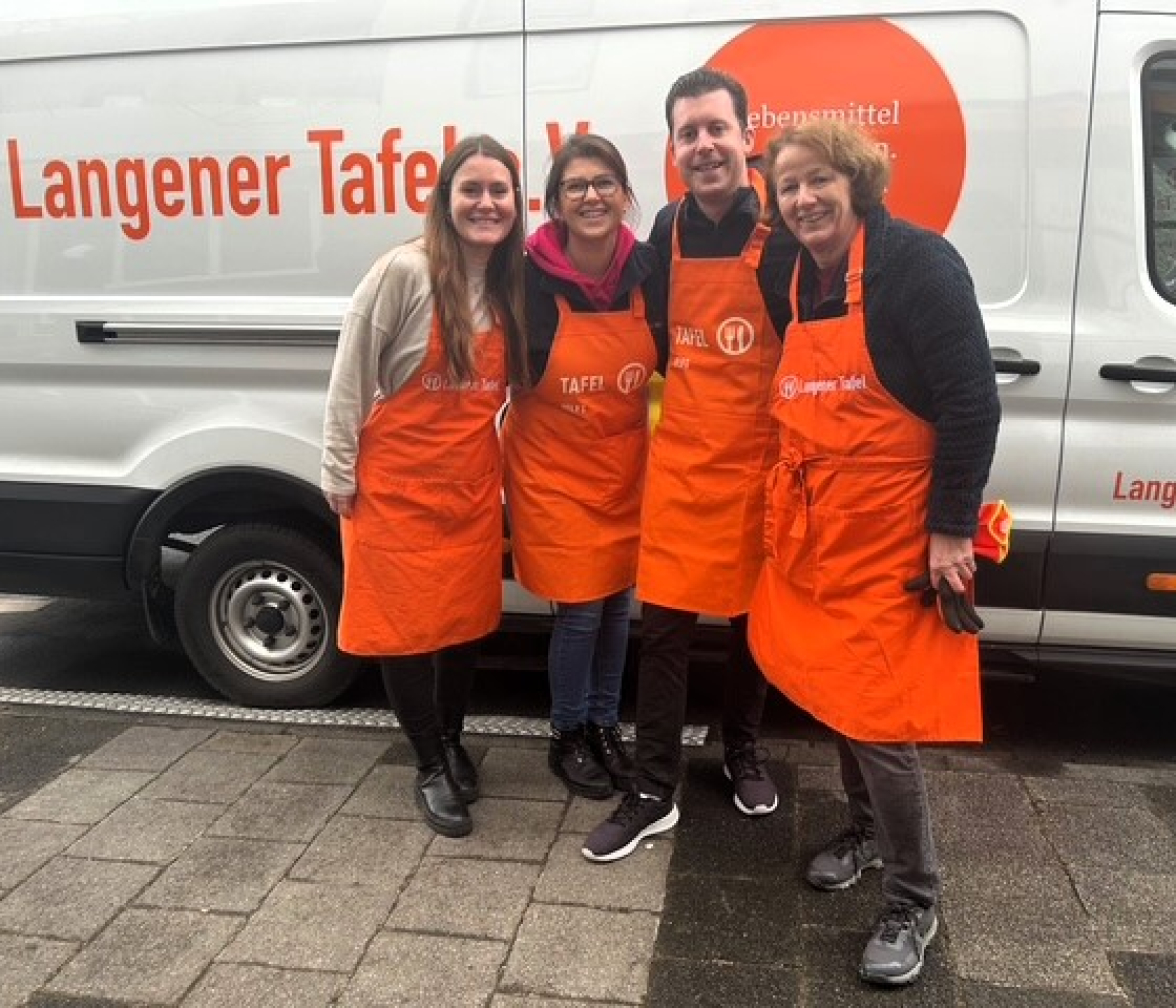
(701, 522)
(888, 412)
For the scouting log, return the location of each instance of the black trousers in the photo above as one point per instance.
(429, 694)
(662, 686)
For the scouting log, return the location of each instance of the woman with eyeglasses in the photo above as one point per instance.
(575, 444)
(412, 464)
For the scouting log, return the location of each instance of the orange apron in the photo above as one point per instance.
(702, 517)
(422, 552)
(831, 625)
(575, 450)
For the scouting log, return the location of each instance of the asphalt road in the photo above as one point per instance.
(70, 645)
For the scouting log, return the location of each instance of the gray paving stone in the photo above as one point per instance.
(634, 883)
(986, 995)
(210, 776)
(145, 747)
(1150, 979)
(239, 985)
(732, 920)
(328, 761)
(980, 798)
(370, 852)
(281, 811)
(310, 925)
(145, 830)
(1076, 965)
(407, 970)
(35, 748)
(80, 796)
(507, 830)
(146, 956)
(72, 898)
(578, 952)
(959, 841)
(1132, 911)
(689, 983)
(222, 873)
(1162, 774)
(1073, 791)
(803, 752)
(1028, 902)
(28, 963)
(386, 792)
(513, 1001)
(520, 773)
(8, 799)
(819, 778)
(25, 846)
(583, 815)
(1111, 837)
(971, 760)
(276, 743)
(481, 899)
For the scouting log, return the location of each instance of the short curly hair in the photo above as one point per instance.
(848, 148)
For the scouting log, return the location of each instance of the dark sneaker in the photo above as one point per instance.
(894, 953)
(610, 753)
(637, 817)
(572, 762)
(744, 766)
(841, 864)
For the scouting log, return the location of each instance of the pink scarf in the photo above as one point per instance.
(546, 247)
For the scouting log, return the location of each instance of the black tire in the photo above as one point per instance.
(257, 607)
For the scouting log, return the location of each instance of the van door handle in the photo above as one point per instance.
(1134, 373)
(1021, 365)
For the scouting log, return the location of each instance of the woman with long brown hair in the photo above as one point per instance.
(412, 463)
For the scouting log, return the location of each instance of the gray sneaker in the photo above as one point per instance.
(841, 864)
(894, 953)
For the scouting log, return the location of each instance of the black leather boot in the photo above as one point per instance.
(609, 750)
(572, 762)
(461, 767)
(436, 793)
(438, 798)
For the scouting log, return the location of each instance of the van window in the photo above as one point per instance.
(1159, 109)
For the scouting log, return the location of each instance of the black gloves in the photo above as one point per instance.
(955, 608)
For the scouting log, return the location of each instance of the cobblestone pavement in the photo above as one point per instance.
(162, 861)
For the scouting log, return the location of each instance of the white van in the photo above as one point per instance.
(191, 190)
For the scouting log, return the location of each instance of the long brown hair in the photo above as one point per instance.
(447, 269)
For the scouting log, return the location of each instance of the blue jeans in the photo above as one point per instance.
(586, 660)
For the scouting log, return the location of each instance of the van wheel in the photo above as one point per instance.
(256, 608)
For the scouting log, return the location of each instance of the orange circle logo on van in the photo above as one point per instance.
(867, 71)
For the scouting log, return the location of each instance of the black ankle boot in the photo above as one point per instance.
(609, 750)
(439, 800)
(572, 762)
(461, 767)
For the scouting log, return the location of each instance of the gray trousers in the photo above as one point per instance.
(888, 801)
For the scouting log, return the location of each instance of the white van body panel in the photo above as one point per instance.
(166, 329)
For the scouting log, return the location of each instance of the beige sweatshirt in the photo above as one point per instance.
(382, 344)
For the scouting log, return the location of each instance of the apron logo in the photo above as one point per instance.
(432, 381)
(735, 336)
(631, 378)
(789, 386)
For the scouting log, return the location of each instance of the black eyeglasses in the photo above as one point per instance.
(577, 189)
